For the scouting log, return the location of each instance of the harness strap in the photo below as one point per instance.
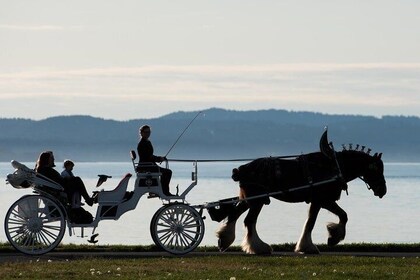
(305, 168)
(367, 185)
(340, 174)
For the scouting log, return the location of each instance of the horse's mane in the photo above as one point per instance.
(361, 155)
(349, 148)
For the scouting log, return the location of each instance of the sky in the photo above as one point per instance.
(135, 59)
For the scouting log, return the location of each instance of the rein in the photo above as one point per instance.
(229, 160)
(366, 183)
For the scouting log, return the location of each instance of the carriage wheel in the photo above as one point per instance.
(177, 228)
(35, 225)
(152, 224)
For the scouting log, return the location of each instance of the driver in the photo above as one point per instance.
(145, 152)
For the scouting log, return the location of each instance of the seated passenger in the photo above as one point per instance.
(68, 166)
(145, 152)
(73, 187)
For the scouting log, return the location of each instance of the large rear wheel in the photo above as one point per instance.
(35, 225)
(177, 228)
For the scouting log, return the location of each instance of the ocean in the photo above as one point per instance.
(393, 219)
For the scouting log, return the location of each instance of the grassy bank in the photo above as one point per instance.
(230, 267)
(223, 266)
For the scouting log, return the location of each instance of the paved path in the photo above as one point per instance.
(64, 256)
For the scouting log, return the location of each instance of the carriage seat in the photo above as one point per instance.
(24, 177)
(41, 180)
(144, 167)
(117, 194)
(148, 167)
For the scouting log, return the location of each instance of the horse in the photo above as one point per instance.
(316, 178)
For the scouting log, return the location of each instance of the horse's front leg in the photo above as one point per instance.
(337, 232)
(252, 244)
(226, 231)
(305, 244)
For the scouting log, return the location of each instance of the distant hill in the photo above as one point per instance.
(215, 134)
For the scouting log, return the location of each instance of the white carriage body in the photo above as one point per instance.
(111, 205)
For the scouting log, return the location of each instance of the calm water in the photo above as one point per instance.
(393, 219)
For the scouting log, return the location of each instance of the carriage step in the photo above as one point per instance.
(92, 239)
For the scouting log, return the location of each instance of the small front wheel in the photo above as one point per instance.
(35, 225)
(177, 228)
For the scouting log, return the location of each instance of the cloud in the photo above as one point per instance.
(376, 89)
(45, 27)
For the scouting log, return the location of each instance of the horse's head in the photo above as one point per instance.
(374, 175)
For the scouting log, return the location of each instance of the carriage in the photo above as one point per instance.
(35, 224)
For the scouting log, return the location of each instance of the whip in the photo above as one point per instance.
(179, 137)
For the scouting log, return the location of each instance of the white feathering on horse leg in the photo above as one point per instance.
(226, 235)
(305, 244)
(252, 244)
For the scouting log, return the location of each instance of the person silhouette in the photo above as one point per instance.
(145, 151)
(73, 187)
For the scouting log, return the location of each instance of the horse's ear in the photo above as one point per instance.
(378, 156)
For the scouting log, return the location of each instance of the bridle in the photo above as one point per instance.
(373, 182)
(366, 183)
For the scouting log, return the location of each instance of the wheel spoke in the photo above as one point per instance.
(19, 223)
(50, 234)
(168, 220)
(16, 214)
(52, 227)
(166, 234)
(45, 239)
(28, 239)
(170, 239)
(35, 224)
(177, 228)
(184, 240)
(163, 225)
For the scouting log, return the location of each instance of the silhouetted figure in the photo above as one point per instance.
(73, 187)
(145, 152)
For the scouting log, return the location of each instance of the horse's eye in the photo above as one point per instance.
(373, 166)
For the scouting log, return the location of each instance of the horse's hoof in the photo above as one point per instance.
(332, 241)
(226, 235)
(223, 246)
(337, 232)
(308, 251)
(264, 249)
(260, 249)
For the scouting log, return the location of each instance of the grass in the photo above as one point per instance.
(223, 266)
(231, 267)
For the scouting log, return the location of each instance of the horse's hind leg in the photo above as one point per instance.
(305, 244)
(337, 232)
(226, 231)
(252, 244)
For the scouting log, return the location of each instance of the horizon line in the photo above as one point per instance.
(204, 110)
